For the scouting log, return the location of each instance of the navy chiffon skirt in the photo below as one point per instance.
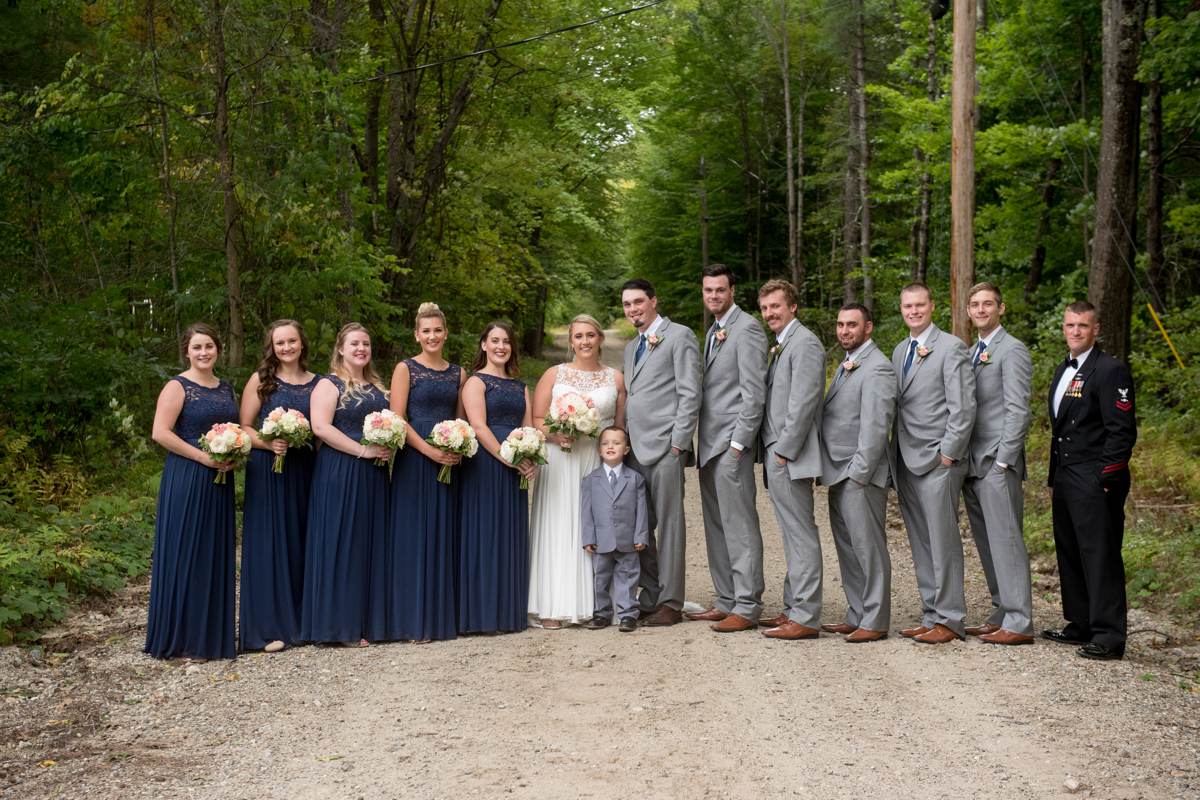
(493, 571)
(347, 522)
(421, 543)
(191, 575)
(273, 531)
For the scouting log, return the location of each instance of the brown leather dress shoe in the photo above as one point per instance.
(712, 614)
(1004, 636)
(940, 634)
(791, 630)
(980, 630)
(663, 617)
(838, 627)
(915, 630)
(860, 635)
(733, 623)
(772, 622)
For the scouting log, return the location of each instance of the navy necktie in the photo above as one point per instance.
(912, 351)
(979, 352)
(641, 348)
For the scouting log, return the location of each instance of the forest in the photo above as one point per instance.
(238, 161)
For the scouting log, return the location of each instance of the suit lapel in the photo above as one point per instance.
(717, 344)
(1058, 373)
(779, 355)
(662, 329)
(620, 486)
(930, 343)
(836, 386)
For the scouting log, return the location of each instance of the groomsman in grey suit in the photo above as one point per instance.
(791, 456)
(934, 417)
(992, 492)
(860, 407)
(662, 378)
(735, 355)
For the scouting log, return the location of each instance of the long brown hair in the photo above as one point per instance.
(512, 366)
(201, 328)
(270, 362)
(338, 367)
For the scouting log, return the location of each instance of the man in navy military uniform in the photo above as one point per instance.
(1092, 436)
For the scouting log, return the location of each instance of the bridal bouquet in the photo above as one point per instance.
(572, 414)
(524, 444)
(287, 424)
(386, 429)
(226, 442)
(453, 436)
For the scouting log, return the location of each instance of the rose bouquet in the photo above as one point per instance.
(453, 436)
(289, 425)
(228, 443)
(384, 429)
(572, 414)
(524, 444)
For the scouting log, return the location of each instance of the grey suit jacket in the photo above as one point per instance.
(663, 394)
(613, 518)
(857, 420)
(936, 402)
(795, 389)
(1003, 401)
(734, 387)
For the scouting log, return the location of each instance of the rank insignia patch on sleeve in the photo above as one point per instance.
(1123, 401)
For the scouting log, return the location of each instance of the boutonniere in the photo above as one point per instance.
(985, 357)
(849, 366)
(774, 351)
(652, 341)
(923, 351)
(720, 334)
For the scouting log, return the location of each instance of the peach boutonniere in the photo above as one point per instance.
(720, 334)
(849, 366)
(923, 351)
(985, 357)
(652, 341)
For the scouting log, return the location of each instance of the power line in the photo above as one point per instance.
(526, 40)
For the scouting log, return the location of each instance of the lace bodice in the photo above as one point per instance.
(432, 394)
(203, 408)
(350, 412)
(505, 399)
(599, 386)
(296, 396)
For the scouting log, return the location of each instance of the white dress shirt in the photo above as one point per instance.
(1067, 376)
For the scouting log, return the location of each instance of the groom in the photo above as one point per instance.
(662, 378)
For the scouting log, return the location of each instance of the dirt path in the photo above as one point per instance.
(679, 712)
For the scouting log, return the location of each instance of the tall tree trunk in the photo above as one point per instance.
(1110, 277)
(164, 138)
(1154, 184)
(864, 156)
(233, 279)
(373, 101)
(798, 276)
(1038, 262)
(962, 168)
(1085, 79)
(785, 74)
(920, 247)
(850, 237)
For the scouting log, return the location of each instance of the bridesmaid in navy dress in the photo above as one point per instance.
(493, 573)
(423, 526)
(276, 504)
(347, 509)
(191, 576)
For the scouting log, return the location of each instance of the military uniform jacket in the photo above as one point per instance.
(1095, 425)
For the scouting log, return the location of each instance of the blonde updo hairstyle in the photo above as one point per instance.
(426, 310)
(337, 366)
(586, 319)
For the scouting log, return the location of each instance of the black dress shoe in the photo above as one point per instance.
(598, 623)
(1062, 637)
(1099, 652)
(628, 625)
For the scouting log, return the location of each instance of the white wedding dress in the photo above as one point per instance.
(560, 572)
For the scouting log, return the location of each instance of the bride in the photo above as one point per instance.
(560, 576)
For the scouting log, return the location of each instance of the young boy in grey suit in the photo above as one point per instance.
(612, 504)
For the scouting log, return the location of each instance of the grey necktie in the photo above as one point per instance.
(612, 478)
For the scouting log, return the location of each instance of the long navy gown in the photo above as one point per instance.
(423, 520)
(191, 575)
(273, 528)
(493, 571)
(347, 522)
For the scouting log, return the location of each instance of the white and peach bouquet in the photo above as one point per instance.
(289, 425)
(572, 414)
(524, 444)
(228, 443)
(453, 436)
(387, 429)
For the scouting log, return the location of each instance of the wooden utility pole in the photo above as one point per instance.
(962, 168)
